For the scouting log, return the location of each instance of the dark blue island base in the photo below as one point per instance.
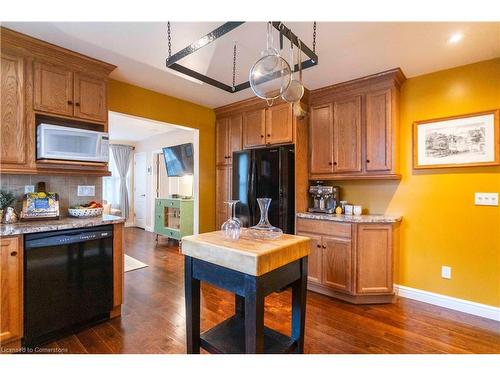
(245, 332)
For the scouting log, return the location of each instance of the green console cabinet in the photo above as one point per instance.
(174, 217)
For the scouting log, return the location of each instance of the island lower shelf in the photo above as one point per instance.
(228, 337)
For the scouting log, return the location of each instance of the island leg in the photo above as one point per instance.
(192, 290)
(299, 293)
(254, 316)
(239, 305)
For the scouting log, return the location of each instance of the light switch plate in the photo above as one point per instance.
(446, 272)
(29, 189)
(86, 191)
(486, 199)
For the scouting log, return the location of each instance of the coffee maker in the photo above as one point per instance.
(324, 198)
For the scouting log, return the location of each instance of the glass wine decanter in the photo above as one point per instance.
(232, 226)
(264, 229)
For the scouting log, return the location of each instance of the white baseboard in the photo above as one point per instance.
(149, 229)
(469, 307)
(129, 224)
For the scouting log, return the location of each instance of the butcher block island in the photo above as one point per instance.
(251, 269)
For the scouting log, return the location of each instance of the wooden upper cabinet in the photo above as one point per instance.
(223, 182)
(254, 128)
(12, 125)
(378, 131)
(374, 259)
(314, 258)
(347, 135)
(53, 89)
(337, 263)
(321, 139)
(228, 138)
(11, 289)
(90, 98)
(221, 139)
(279, 124)
(235, 142)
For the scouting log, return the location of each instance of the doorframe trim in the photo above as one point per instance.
(145, 189)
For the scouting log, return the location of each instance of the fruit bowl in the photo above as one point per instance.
(85, 212)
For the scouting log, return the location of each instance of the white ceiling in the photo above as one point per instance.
(346, 50)
(130, 129)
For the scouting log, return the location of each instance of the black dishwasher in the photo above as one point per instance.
(68, 281)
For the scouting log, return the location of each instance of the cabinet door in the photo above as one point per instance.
(314, 259)
(254, 128)
(321, 139)
(53, 89)
(347, 135)
(374, 259)
(222, 138)
(223, 193)
(378, 131)
(235, 135)
(90, 98)
(279, 124)
(337, 263)
(11, 289)
(12, 127)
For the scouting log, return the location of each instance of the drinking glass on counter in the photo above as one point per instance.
(232, 226)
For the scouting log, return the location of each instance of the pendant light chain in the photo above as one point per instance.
(169, 40)
(234, 66)
(314, 36)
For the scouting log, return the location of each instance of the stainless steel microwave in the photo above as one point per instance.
(66, 143)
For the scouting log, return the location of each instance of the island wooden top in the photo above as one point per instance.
(248, 255)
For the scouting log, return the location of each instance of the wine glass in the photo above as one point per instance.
(232, 226)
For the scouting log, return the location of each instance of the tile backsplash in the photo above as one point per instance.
(65, 186)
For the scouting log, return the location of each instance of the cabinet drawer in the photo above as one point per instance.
(324, 227)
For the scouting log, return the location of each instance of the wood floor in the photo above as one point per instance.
(153, 317)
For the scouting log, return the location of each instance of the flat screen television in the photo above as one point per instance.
(179, 160)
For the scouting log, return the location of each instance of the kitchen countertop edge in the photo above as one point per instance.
(363, 219)
(26, 227)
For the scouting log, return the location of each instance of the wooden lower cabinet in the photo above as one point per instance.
(11, 289)
(374, 259)
(314, 261)
(352, 262)
(337, 263)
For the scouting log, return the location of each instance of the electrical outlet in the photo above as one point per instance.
(486, 199)
(446, 272)
(29, 189)
(86, 191)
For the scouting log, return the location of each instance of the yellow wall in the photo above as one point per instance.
(441, 225)
(133, 100)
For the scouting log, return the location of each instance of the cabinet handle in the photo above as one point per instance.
(324, 247)
(367, 160)
(334, 163)
(330, 163)
(269, 135)
(70, 102)
(77, 104)
(261, 136)
(318, 246)
(13, 253)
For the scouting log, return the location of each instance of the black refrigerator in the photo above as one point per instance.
(265, 173)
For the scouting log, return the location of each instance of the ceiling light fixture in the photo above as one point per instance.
(455, 38)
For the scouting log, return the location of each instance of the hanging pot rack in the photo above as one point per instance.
(172, 60)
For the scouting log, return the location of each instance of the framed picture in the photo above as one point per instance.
(459, 141)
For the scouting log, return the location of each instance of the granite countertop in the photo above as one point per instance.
(25, 227)
(350, 218)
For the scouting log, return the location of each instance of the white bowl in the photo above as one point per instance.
(85, 212)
